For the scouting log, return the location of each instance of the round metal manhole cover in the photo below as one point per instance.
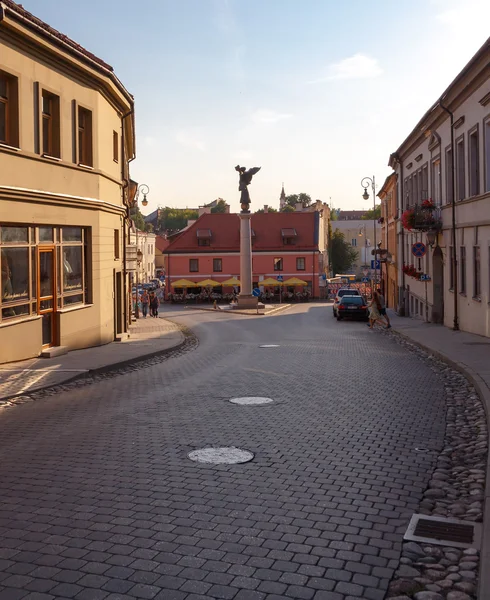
(221, 456)
(269, 346)
(251, 400)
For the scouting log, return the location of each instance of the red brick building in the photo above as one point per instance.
(284, 244)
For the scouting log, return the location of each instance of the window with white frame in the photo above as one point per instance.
(449, 176)
(460, 170)
(436, 181)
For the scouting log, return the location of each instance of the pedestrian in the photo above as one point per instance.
(382, 310)
(145, 300)
(374, 310)
(154, 304)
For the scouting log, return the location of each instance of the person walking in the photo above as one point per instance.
(374, 310)
(382, 310)
(154, 304)
(145, 300)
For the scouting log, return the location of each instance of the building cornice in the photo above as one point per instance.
(16, 194)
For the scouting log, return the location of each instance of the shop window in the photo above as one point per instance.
(9, 109)
(85, 156)
(72, 234)
(46, 234)
(15, 274)
(14, 235)
(51, 124)
(72, 268)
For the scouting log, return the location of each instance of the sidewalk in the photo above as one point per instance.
(469, 354)
(147, 336)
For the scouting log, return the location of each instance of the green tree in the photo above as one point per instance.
(294, 199)
(287, 208)
(334, 214)
(175, 219)
(374, 213)
(342, 254)
(139, 220)
(220, 206)
(270, 209)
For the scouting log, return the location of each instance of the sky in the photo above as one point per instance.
(318, 93)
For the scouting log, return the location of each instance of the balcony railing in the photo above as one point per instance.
(422, 217)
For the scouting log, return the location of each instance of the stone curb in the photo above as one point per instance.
(113, 367)
(241, 312)
(484, 393)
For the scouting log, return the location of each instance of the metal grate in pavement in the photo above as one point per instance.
(444, 532)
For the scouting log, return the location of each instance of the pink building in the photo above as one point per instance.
(282, 244)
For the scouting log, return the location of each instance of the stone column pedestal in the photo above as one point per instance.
(245, 298)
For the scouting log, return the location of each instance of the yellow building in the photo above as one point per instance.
(66, 137)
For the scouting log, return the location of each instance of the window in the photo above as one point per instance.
(449, 176)
(460, 170)
(217, 265)
(116, 244)
(85, 137)
(51, 124)
(450, 262)
(9, 110)
(462, 269)
(115, 146)
(474, 174)
(487, 155)
(21, 275)
(194, 265)
(300, 264)
(476, 273)
(278, 264)
(289, 241)
(203, 242)
(424, 189)
(436, 182)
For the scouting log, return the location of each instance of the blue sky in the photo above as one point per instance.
(316, 92)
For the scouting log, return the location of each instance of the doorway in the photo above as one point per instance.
(46, 294)
(438, 286)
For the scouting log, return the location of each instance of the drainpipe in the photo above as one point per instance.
(453, 225)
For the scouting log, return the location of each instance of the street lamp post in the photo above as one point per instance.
(144, 189)
(365, 183)
(362, 229)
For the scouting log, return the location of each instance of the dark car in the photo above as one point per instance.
(352, 306)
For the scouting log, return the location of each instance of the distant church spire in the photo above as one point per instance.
(282, 198)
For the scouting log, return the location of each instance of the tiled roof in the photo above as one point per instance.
(20, 11)
(161, 243)
(267, 227)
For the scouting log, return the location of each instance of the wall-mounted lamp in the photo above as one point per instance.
(431, 238)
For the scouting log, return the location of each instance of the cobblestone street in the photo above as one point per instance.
(100, 501)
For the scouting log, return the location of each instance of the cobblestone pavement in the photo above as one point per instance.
(99, 499)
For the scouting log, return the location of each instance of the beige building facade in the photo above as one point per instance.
(443, 170)
(359, 234)
(66, 137)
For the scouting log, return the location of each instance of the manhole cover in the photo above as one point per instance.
(444, 532)
(249, 400)
(221, 456)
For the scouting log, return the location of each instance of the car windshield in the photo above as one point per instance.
(347, 293)
(352, 300)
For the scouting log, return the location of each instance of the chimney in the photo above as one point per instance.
(266, 208)
(299, 206)
(204, 210)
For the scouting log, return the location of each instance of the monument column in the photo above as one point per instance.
(245, 297)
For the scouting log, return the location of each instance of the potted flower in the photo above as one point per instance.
(408, 219)
(428, 205)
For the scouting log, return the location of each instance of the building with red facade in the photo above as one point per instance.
(284, 244)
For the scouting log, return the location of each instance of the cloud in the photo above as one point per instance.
(190, 139)
(264, 115)
(358, 66)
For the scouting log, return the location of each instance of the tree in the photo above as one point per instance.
(175, 219)
(270, 209)
(287, 208)
(294, 199)
(342, 254)
(220, 206)
(139, 220)
(369, 215)
(334, 214)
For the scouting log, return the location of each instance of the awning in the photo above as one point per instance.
(231, 282)
(207, 283)
(269, 281)
(295, 281)
(183, 283)
(204, 234)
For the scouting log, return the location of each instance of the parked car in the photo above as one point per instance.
(340, 294)
(354, 307)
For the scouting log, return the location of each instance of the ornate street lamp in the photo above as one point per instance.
(144, 189)
(365, 183)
